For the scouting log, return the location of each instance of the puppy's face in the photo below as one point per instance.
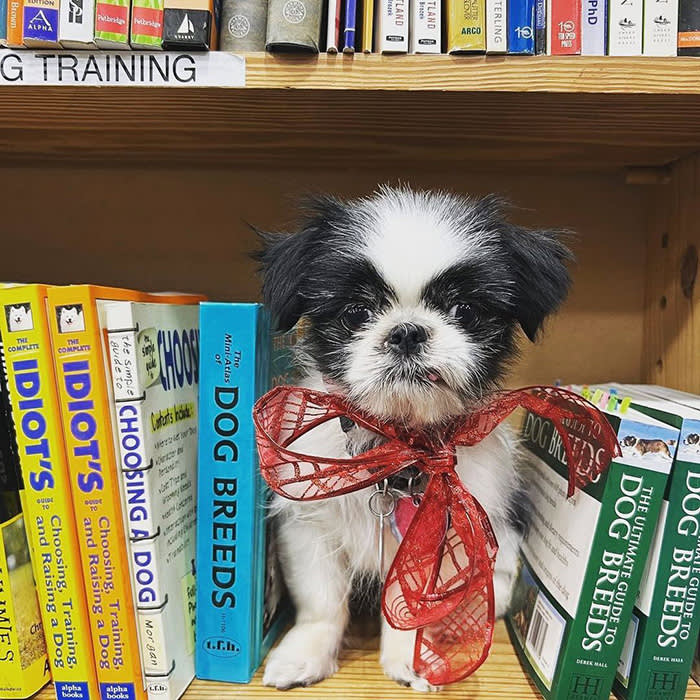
(413, 298)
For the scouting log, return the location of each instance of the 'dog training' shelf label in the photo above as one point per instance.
(142, 69)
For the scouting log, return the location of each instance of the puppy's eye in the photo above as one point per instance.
(354, 316)
(463, 313)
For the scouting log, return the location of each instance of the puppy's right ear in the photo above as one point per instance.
(287, 260)
(282, 261)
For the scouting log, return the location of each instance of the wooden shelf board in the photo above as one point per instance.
(361, 678)
(400, 113)
(565, 74)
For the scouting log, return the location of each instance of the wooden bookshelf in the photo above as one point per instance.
(361, 678)
(564, 113)
(167, 178)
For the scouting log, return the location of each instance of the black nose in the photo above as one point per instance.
(407, 338)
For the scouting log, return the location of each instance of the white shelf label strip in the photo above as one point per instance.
(122, 68)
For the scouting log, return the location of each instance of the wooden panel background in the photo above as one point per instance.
(184, 229)
(672, 305)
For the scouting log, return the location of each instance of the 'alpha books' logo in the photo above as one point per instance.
(294, 11)
(39, 23)
(75, 11)
(186, 28)
(238, 26)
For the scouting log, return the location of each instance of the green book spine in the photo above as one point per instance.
(582, 560)
(661, 637)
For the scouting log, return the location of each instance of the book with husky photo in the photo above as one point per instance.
(582, 557)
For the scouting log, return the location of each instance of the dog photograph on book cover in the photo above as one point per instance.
(412, 302)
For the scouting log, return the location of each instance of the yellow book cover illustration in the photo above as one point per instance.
(466, 26)
(84, 389)
(51, 524)
(24, 666)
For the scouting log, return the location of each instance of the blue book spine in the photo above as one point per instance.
(349, 28)
(234, 372)
(540, 27)
(594, 24)
(521, 26)
(3, 22)
(41, 24)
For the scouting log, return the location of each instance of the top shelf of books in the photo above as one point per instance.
(513, 74)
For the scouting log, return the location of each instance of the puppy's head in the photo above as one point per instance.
(413, 298)
(629, 441)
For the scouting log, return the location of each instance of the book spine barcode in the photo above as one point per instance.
(538, 632)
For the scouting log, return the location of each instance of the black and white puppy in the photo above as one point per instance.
(412, 301)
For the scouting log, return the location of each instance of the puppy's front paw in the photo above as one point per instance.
(307, 655)
(404, 674)
(397, 659)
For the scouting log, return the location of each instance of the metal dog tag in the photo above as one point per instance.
(382, 503)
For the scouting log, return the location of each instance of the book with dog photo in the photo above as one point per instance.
(52, 527)
(660, 641)
(84, 388)
(154, 358)
(241, 608)
(24, 665)
(582, 558)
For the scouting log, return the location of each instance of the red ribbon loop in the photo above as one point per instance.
(441, 580)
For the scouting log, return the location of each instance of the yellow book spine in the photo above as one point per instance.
(85, 408)
(24, 666)
(368, 26)
(466, 26)
(52, 529)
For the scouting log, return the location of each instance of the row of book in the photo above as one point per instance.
(524, 27)
(132, 511)
(607, 593)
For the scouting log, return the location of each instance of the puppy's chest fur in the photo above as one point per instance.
(488, 470)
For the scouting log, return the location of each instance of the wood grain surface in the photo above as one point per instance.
(427, 112)
(361, 678)
(671, 350)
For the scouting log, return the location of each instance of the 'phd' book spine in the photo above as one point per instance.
(594, 27)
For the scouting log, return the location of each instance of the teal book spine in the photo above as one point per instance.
(239, 612)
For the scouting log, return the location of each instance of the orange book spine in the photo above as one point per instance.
(15, 17)
(85, 408)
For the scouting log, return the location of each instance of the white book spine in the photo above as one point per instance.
(333, 29)
(496, 26)
(660, 28)
(136, 491)
(392, 29)
(593, 27)
(625, 28)
(426, 26)
(76, 27)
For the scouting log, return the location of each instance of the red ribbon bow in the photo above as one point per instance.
(441, 580)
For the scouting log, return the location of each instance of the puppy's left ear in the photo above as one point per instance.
(539, 262)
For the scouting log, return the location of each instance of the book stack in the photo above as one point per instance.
(101, 486)
(612, 606)
(516, 27)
